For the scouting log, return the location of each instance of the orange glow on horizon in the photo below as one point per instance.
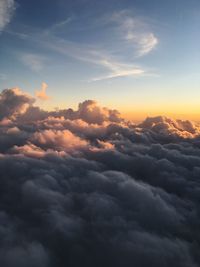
(140, 116)
(137, 113)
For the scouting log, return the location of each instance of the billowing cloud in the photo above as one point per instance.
(57, 139)
(42, 93)
(6, 11)
(87, 188)
(14, 102)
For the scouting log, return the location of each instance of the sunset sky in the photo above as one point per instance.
(140, 57)
(99, 133)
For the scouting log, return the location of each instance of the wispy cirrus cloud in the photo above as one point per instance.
(33, 61)
(7, 8)
(146, 42)
(135, 32)
(86, 53)
(118, 70)
(131, 38)
(62, 23)
(123, 38)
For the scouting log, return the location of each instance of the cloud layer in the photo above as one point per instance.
(87, 188)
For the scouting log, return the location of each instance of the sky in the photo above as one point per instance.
(81, 184)
(140, 57)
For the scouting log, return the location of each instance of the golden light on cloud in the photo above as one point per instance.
(42, 93)
(100, 150)
(87, 163)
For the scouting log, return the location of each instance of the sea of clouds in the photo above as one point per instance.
(87, 188)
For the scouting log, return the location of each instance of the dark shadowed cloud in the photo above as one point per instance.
(87, 188)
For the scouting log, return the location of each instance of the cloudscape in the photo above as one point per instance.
(86, 187)
(99, 133)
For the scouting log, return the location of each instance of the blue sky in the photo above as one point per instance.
(141, 57)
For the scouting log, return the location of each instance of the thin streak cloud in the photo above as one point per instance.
(62, 23)
(129, 32)
(118, 70)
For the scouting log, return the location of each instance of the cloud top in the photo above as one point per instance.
(87, 188)
(14, 102)
(42, 93)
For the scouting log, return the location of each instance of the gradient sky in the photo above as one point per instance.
(141, 57)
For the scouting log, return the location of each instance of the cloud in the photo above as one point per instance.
(57, 139)
(79, 184)
(33, 61)
(7, 8)
(147, 43)
(137, 42)
(136, 32)
(126, 38)
(90, 112)
(95, 57)
(42, 94)
(120, 73)
(61, 24)
(118, 70)
(14, 102)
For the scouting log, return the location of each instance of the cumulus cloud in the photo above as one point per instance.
(42, 93)
(87, 188)
(7, 8)
(14, 102)
(57, 139)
